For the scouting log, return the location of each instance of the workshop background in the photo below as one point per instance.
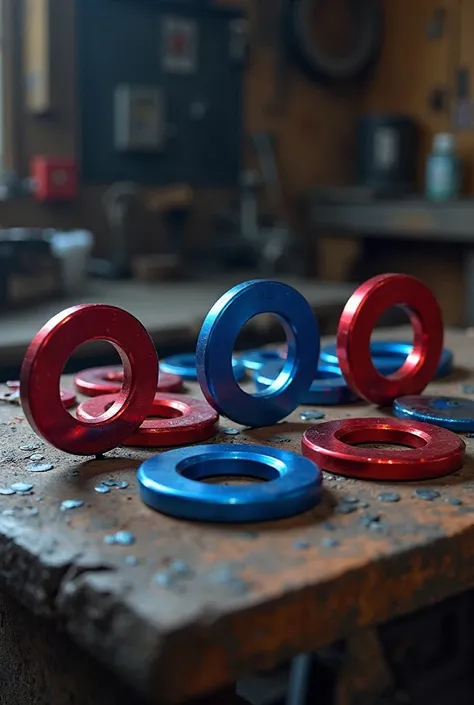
(168, 142)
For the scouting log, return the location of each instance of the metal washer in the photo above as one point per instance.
(453, 413)
(327, 389)
(216, 342)
(184, 365)
(171, 483)
(256, 359)
(389, 355)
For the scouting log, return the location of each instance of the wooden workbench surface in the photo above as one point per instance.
(172, 312)
(246, 597)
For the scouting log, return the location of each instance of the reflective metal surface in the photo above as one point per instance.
(328, 387)
(96, 381)
(182, 420)
(455, 413)
(184, 365)
(172, 483)
(336, 446)
(44, 362)
(256, 359)
(357, 322)
(389, 355)
(216, 342)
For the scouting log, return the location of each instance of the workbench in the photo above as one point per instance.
(247, 597)
(172, 312)
(414, 219)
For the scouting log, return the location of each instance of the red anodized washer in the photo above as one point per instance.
(357, 322)
(108, 380)
(44, 362)
(432, 451)
(184, 420)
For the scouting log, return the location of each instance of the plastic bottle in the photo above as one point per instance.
(443, 169)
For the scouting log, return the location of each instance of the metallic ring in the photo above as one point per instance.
(184, 365)
(183, 420)
(357, 322)
(97, 381)
(44, 362)
(328, 387)
(216, 342)
(335, 446)
(256, 359)
(389, 355)
(171, 483)
(454, 413)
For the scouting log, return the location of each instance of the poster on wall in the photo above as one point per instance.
(179, 45)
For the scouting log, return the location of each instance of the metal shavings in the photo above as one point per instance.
(279, 439)
(226, 576)
(8, 512)
(31, 511)
(312, 415)
(11, 397)
(455, 501)
(6, 491)
(350, 499)
(329, 526)
(122, 538)
(303, 544)
(344, 508)
(177, 571)
(427, 495)
(131, 560)
(102, 489)
(43, 467)
(230, 431)
(109, 483)
(468, 388)
(21, 487)
(330, 543)
(389, 497)
(122, 485)
(30, 446)
(370, 521)
(71, 504)
(469, 435)
(36, 457)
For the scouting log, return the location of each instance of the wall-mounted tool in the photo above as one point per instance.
(337, 65)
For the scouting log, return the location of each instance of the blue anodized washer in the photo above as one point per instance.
(328, 387)
(184, 365)
(216, 342)
(171, 483)
(256, 359)
(389, 355)
(453, 413)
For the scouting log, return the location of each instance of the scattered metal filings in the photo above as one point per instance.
(21, 487)
(121, 538)
(330, 543)
(389, 497)
(312, 415)
(230, 431)
(102, 489)
(71, 504)
(427, 495)
(40, 467)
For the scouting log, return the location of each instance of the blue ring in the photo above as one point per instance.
(169, 483)
(184, 365)
(453, 413)
(216, 342)
(389, 355)
(256, 359)
(328, 387)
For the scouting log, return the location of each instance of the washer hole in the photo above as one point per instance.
(395, 315)
(220, 469)
(263, 329)
(85, 356)
(382, 438)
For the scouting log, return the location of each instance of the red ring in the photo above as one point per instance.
(433, 451)
(185, 420)
(44, 363)
(68, 397)
(97, 381)
(357, 322)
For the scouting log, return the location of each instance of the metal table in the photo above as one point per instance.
(413, 219)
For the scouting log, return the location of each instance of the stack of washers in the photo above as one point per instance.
(142, 403)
